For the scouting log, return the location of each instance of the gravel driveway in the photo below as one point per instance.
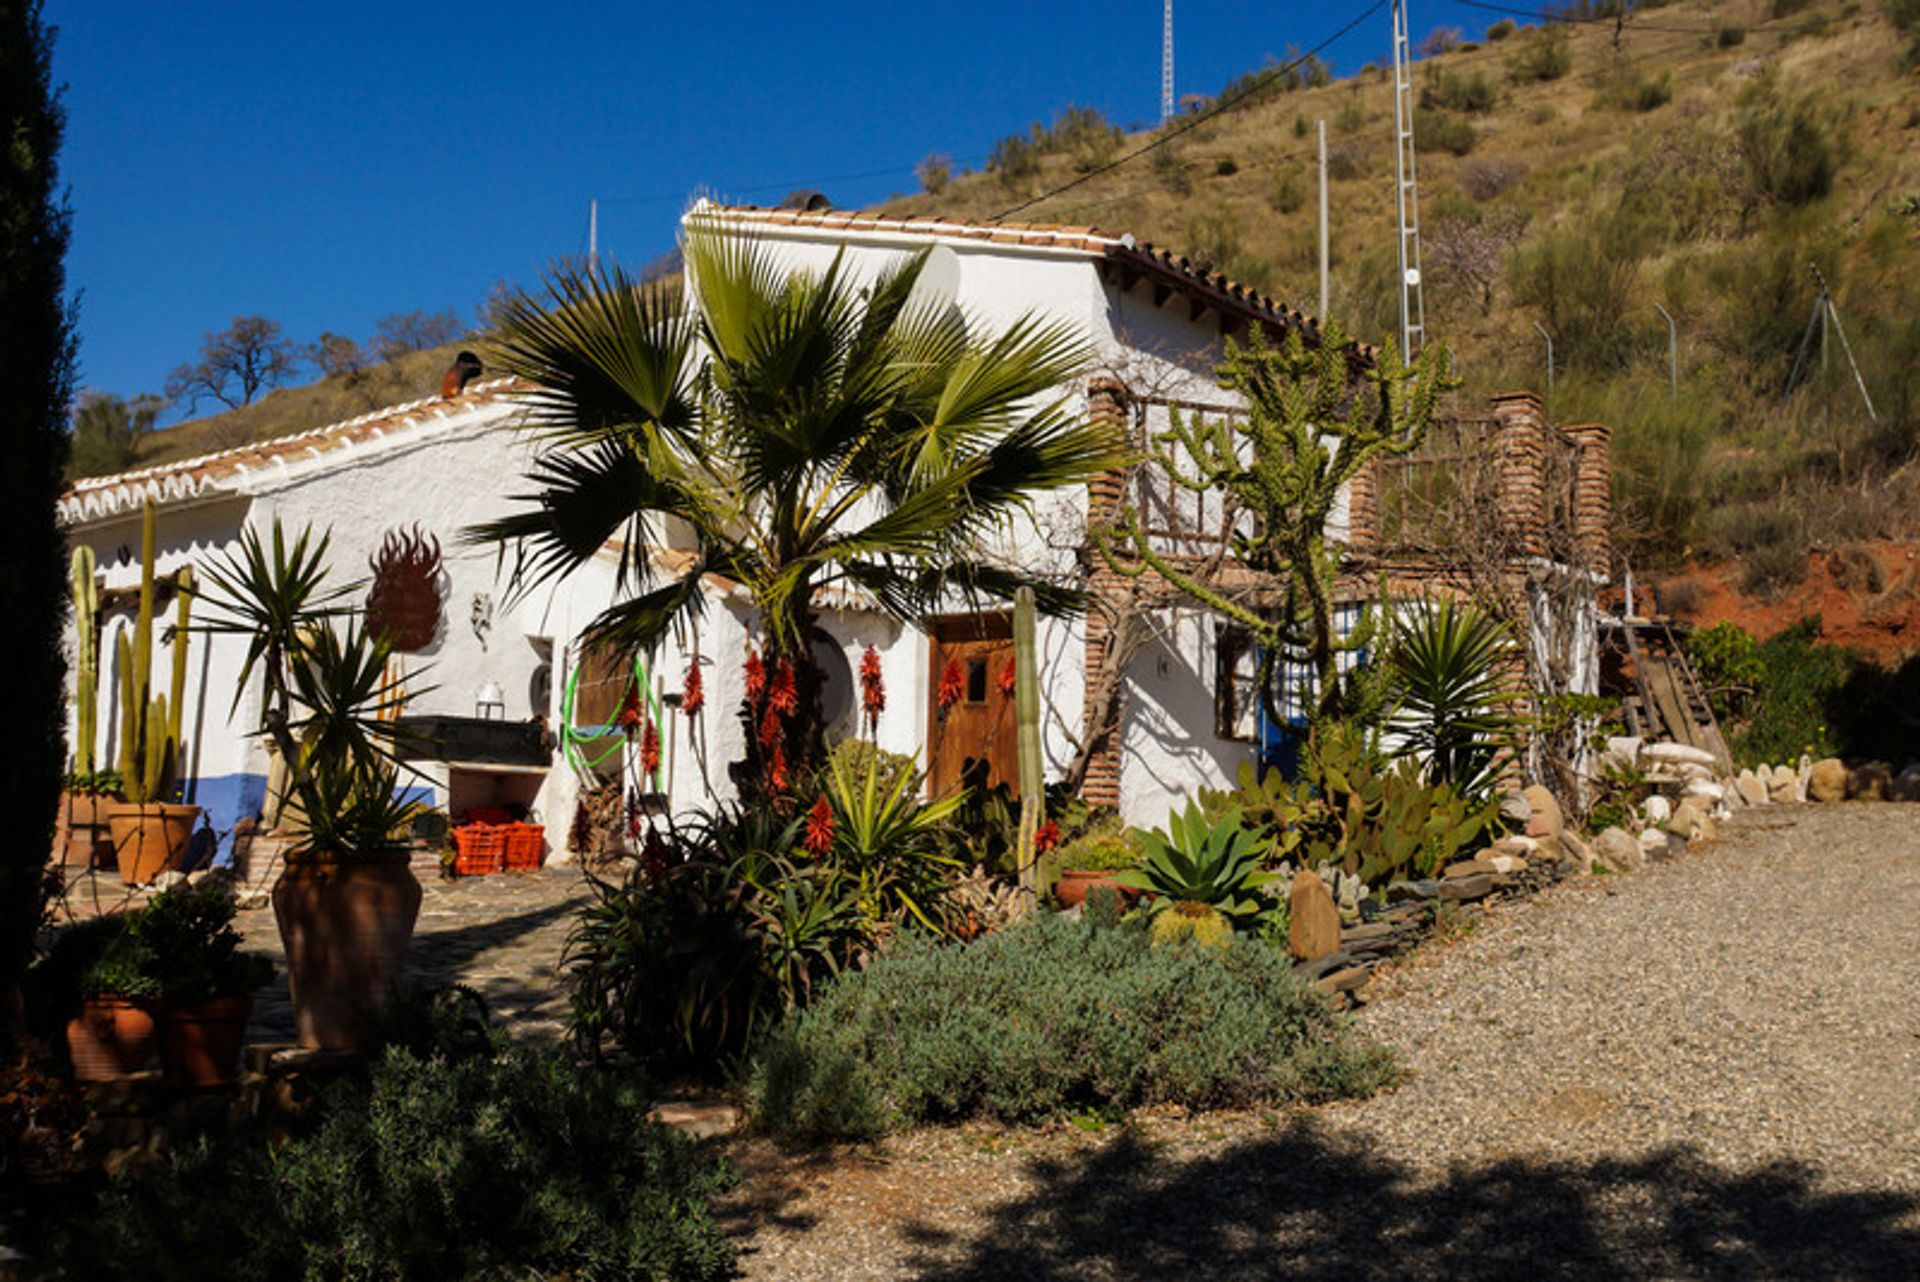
(1708, 1070)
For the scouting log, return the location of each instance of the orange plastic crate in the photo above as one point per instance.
(479, 849)
(526, 845)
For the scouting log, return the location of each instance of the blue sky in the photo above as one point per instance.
(328, 165)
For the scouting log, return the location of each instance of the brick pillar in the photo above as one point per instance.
(1520, 456)
(1593, 495)
(1107, 402)
(1363, 509)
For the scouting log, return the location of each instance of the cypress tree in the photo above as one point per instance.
(36, 385)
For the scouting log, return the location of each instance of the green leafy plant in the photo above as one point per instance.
(493, 1163)
(889, 842)
(1383, 821)
(186, 934)
(1197, 862)
(1449, 664)
(149, 722)
(1544, 53)
(1051, 1017)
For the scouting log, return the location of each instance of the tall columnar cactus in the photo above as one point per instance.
(86, 663)
(177, 691)
(1026, 711)
(149, 732)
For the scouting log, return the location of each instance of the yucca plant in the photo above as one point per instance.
(1195, 862)
(890, 842)
(793, 431)
(1449, 663)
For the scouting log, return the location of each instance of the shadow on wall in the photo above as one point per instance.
(1303, 1204)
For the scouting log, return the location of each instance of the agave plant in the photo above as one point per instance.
(1195, 862)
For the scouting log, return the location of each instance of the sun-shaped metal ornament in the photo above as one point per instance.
(405, 600)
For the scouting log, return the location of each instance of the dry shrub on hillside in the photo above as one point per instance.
(1468, 255)
(1485, 179)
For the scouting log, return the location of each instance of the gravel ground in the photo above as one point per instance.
(1708, 1070)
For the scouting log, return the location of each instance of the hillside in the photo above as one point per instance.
(1702, 165)
(286, 410)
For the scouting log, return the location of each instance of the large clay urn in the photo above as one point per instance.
(149, 838)
(201, 1041)
(346, 925)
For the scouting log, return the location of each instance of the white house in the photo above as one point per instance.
(432, 468)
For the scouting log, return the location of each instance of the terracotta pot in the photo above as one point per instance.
(111, 1039)
(346, 927)
(149, 839)
(200, 1041)
(1071, 889)
(81, 838)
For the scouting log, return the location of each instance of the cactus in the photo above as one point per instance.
(86, 663)
(1026, 711)
(1202, 923)
(149, 726)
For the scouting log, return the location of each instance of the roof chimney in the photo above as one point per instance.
(465, 368)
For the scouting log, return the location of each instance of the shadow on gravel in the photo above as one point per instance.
(1302, 1205)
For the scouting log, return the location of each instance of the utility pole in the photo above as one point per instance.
(593, 235)
(1673, 352)
(1324, 296)
(1413, 307)
(1543, 333)
(1166, 63)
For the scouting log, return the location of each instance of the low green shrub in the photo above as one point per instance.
(1545, 54)
(502, 1164)
(1049, 1017)
(1500, 30)
(1439, 131)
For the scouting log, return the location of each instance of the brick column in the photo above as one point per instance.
(1107, 402)
(1593, 495)
(1520, 457)
(1363, 509)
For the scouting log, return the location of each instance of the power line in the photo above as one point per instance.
(1195, 121)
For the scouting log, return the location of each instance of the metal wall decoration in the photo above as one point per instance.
(405, 600)
(481, 616)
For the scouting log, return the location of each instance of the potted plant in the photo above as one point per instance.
(112, 1036)
(82, 838)
(205, 983)
(81, 834)
(346, 901)
(150, 831)
(1092, 860)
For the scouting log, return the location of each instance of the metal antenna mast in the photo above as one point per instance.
(1413, 305)
(1166, 64)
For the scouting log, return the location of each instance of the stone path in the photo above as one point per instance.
(1711, 1069)
(500, 935)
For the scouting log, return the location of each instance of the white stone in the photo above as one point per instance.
(1505, 863)
(1680, 754)
(1617, 849)
(1657, 809)
(1706, 788)
(1622, 752)
(1653, 841)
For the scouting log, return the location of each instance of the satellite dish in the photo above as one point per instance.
(939, 282)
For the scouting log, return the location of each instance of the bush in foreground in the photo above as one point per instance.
(1049, 1017)
(503, 1163)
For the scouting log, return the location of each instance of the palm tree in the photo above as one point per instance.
(791, 431)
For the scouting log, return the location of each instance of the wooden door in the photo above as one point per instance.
(970, 657)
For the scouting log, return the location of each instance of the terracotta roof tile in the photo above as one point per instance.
(184, 479)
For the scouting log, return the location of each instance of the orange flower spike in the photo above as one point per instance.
(777, 768)
(756, 675)
(952, 684)
(1046, 838)
(783, 693)
(873, 688)
(819, 837)
(630, 711)
(650, 749)
(1009, 679)
(770, 727)
(693, 696)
